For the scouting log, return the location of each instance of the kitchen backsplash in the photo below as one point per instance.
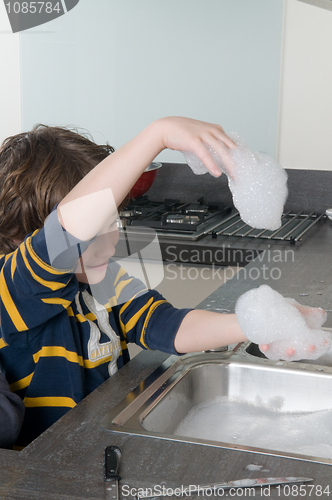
(309, 190)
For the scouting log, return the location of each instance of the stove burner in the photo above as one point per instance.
(196, 208)
(171, 215)
(182, 219)
(127, 213)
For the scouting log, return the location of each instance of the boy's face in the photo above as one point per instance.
(93, 263)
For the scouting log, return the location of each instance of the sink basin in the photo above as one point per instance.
(230, 401)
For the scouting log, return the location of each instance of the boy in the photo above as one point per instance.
(64, 328)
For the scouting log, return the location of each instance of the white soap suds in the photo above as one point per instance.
(254, 467)
(258, 184)
(239, 422)
(292, 331)
(243, 483)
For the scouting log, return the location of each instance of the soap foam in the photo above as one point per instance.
(238, 422)
(258, 184)
(254, 467)
(266, 317)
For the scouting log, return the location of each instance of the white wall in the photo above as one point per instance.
(113, 66)
(10, 86)
(305, 124)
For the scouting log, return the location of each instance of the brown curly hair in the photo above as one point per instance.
(37, 170)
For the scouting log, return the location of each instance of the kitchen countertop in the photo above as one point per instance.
(66, 462)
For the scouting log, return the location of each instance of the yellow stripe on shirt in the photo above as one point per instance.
(57, 300)
(133, 320)
(2, 343)
(13, 264)
(121, 286)
(53, 285)
(70, 311)
(93, 364)
(147, 319)
(39, 261)
(49, 401)
(21, 384)
(90, 316)
(10, 306)
(73, 357)
(112, 302)
(123, 308)
(121, 273)
(59, 351)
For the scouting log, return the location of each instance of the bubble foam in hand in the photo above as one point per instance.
(292, 331)
(258, 184)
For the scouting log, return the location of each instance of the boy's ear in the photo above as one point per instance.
(17, 242)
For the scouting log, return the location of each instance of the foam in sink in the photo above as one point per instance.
(265, 426)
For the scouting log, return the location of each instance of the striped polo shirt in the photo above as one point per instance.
(60, 339)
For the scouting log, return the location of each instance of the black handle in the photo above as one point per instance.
(112, 463)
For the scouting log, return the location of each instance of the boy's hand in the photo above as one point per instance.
(314, 317)
(283, 328)
(188, 135)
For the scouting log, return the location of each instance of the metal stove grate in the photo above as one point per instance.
(293, 227)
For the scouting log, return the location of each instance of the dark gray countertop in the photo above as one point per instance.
(66, 462)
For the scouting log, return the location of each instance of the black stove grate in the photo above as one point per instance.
(192, 221)
(293, 227)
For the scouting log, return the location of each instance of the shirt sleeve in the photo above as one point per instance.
(11, 415)
(144, 316)
(155, 322)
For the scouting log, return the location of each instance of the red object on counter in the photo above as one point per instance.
(146, 180)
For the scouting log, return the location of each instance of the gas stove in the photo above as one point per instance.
(173, 218)
(199, 233)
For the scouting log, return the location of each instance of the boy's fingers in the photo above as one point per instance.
(223, 137)
(215, 155)
(311, 348)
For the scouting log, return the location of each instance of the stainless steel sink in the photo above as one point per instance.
(263, 406)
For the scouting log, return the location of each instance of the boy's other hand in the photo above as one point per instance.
(314, 317)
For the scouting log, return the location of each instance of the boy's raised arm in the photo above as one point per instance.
(90, 207)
